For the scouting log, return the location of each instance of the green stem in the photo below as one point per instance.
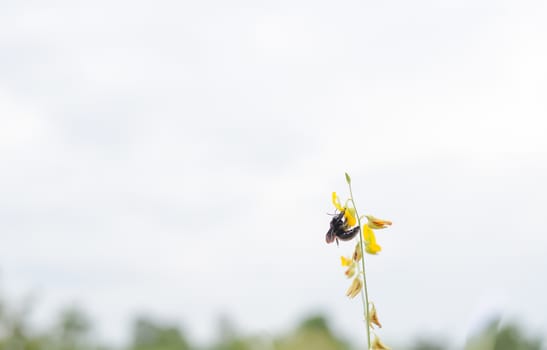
(364, 291)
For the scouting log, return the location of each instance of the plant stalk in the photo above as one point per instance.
(364, 291)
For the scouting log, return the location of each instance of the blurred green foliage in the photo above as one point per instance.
(428, 344)
(148, 335)
(503, 337)
(73, 330)
(312, 333)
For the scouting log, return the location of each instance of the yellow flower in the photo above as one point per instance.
(376, 223)
(378, 345)
(336, 201)
(373, 318)
(349, 213)
(370, 241)
(355, 287)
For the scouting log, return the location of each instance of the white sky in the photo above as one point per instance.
(179, 159)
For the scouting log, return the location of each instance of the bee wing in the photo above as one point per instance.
(330, 236)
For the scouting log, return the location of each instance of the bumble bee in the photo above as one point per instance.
(339, 229)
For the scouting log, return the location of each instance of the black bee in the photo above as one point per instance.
(339, 229)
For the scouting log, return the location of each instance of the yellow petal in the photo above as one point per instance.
(376, 223)
(368, 234)
(378, 345)
(336, 201)
(371, 246)
(349, 214)
(346, 261)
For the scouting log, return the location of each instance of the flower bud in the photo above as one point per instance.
(378, 345)
(357, 253)
(355, 287)
(373, 317)
(350, 272)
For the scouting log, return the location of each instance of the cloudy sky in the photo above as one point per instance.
(177, 159)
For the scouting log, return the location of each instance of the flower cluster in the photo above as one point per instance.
(345, 226)
(350, 215)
